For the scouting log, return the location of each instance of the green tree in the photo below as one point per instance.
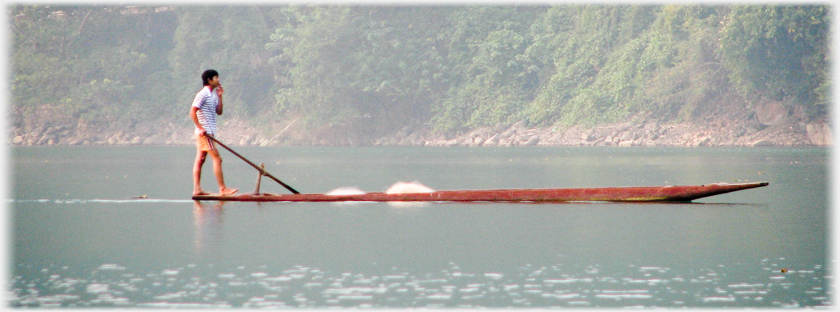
(682, 58)
(352, 73)
(359, 71)
(593, 75)
(493, 78)
(778, 52)
(89, 63)
(231, 40)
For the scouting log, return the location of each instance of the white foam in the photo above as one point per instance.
(412, 187)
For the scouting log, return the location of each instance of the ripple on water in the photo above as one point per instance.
(113, 285)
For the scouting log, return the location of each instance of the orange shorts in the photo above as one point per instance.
(203, 143)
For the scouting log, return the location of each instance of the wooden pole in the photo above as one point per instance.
(259, 178)
(255, 166)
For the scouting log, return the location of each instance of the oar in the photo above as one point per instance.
(262, 170)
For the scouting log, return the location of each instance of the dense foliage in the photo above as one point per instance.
(369, 70)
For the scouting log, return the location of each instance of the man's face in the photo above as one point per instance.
(214, 82)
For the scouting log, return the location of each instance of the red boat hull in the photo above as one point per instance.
(606, 194)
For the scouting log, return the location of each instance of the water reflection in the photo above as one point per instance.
(207, 220)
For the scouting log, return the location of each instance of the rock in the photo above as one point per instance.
(819, 134)
(17, 140)
(153, 140)
(42, 140)
(761, 142)
(478, 140)
(587, 136)
(704, 141)
(507, 134)
(771, 113)
(531, 142)
(136, 140)
(493, 139)
(555, 138)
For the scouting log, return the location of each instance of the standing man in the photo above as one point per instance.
(206, 105)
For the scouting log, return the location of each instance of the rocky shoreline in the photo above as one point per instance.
(240, 133)
(629, 134)
(768, 124)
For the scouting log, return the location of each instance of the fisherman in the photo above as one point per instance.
(206, 105)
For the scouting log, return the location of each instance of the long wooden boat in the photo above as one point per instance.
(605, 194)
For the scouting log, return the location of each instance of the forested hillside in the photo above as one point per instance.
(339, 74)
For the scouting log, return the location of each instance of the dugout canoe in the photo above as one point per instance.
(602, 194)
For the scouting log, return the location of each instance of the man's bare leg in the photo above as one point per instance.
(200, 156)
(217, 169)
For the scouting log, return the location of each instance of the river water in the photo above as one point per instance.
(78, 239)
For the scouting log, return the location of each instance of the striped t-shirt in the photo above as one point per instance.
(206, 101)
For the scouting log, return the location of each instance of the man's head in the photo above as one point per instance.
(208, 75)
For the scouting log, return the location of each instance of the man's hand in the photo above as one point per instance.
(220, 108)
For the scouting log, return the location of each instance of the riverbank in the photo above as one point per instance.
(239, 133)
(629, 134)
(768, 124)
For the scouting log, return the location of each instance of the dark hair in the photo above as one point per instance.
(207, 75)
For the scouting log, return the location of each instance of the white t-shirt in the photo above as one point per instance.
(206, 101)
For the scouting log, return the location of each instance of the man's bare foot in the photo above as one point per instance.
(200, 192)
(228, 191)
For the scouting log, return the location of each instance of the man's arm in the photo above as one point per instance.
(219, 91)
(194, 118)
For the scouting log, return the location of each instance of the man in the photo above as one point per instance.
(206, 105)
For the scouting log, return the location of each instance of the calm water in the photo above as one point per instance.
(78, 240)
